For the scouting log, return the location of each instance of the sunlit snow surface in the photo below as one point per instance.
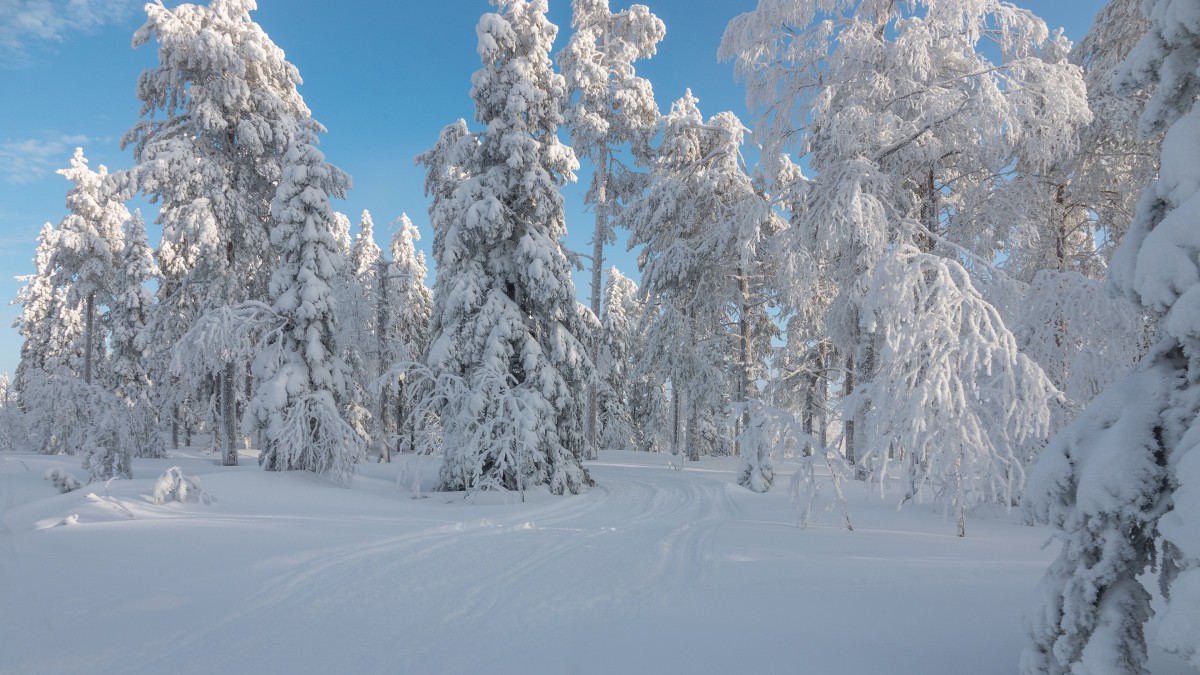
(653, 570)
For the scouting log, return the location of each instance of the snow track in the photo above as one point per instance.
(645, 533)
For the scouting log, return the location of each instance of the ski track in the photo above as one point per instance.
(672, 518)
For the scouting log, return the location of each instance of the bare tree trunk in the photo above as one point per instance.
(958, 493)
(744, 357)
(89, 336)
(690, 435)
(229, 455)
(847, 389)
(929, 214)
(675, 418)
(1060, 329)
(821, 393)
(807, 418)
(866, 367)
(598, 237)
(815, 424)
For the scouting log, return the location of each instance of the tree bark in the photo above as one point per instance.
(229, 454)
(675, 449)
(847, 389)
(744, 358)
(89, 336)
(598, 237)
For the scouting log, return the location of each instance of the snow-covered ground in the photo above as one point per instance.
(654, 570)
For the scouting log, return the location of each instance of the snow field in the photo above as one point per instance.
(653, 570)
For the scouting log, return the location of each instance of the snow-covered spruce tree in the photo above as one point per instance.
(650, 407)
(89, 241)
(218, 112)
(61, 320)
(303, 393)
(1122, 483)
(356, 290)
(131, 305)
(506, 353)
(403, 310)
(51, 337)
(108, 448)
(12, 422)
(611, 108)
(365, 254)
(701, 221)
(619, 332)
(341, 233)
(910, 127)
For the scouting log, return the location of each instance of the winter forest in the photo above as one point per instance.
(929, 305)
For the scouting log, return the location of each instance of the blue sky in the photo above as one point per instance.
(384, 77)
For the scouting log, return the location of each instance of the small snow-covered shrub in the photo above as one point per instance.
(173, 485)
(62, 480)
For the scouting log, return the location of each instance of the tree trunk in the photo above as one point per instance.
(821, 394)
(1060, 328)
(929, 214)
(89, 336)
(675, 449)
(598, 237)
(744, 356)
(381, 279)
(847, 389)
(693, 447)
(229, 455)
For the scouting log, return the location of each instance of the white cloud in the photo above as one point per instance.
(30, 24)
(32, 159)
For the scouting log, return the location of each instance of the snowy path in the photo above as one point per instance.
(654, 570)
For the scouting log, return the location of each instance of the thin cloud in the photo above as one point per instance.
(29, 25)
(27, 161)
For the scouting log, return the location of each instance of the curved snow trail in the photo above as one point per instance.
(643, 535)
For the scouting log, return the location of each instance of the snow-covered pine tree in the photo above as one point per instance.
(611, 108)
(62, 320)
(619, 332)
(1122, 483)
(357, 291)
(341, 233)
(90, 240)
(403, 312)
(303, 395)
(365, 254)
(41, 304)
(49, 386)
(218, 113)
(12, 422)
(910, 125)
(127, 320)
(506, 328)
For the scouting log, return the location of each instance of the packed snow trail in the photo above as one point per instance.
(652, 570)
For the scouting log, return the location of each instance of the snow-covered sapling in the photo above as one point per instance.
(173, 485)
(63, 481)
